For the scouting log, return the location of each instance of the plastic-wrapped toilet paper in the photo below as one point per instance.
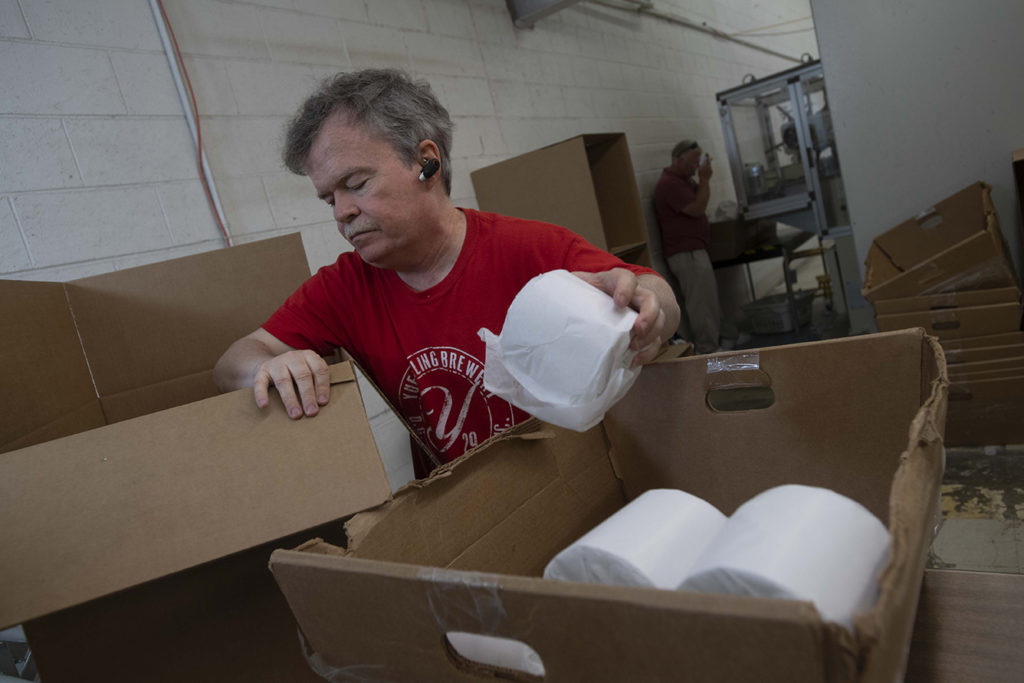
(563, 353)
(800, 543)
(652, 541)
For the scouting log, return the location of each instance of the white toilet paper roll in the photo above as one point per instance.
(651, 541)
(800, 543)
(563, 354)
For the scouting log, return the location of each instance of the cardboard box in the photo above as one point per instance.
(952, 347)
(464, 549)
(137, 551)
(585, 183)
(974, 313)
(955, 245)
(985, 408)
(729, 239)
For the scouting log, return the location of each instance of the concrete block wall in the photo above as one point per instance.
(98, 170)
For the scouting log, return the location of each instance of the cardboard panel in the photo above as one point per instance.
(968, 628)
(975, 297)
(957, 356)
(991, 365)
(111, 508)
(47, 376)
(618, 198)
(149, 399)
(986, 411)
(151, 324)
(957, 245)
(551, 184)
(818, 395)
(965, 321)
(581, 632)
(223, 621)
(951, 345)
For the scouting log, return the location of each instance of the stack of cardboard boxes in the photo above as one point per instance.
(947, 270)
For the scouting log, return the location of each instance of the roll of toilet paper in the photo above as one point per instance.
(800, 543)
(563, 353)
(651, 541)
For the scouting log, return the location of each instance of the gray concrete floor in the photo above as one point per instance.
(982, 526)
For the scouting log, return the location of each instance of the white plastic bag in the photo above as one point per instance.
(563, 354)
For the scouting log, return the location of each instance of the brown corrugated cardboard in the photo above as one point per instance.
(955, 245)
(464, 549)
(965, 321)
(967, 628)
(142, 545)
(951, 346)
(585, 183)
(974, 297)
(956, 356)
(986, 410)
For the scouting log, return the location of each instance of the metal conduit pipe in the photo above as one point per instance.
(186, 104)
(641, 7)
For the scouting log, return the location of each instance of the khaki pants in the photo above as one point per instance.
(700, 296)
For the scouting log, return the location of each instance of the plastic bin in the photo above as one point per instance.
(771, 314)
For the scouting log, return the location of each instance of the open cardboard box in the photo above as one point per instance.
(585, 183)
(135, 547)
(464, 549)
(971, 313)
(955, 245)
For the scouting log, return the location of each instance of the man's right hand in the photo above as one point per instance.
(302, 380)
(260, 360)
(704, 170)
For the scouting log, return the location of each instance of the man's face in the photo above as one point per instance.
(686, 163)
(379, 204)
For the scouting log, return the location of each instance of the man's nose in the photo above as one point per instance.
(344, 210)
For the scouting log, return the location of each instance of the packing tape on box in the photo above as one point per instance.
(470, 612)
(563, 353)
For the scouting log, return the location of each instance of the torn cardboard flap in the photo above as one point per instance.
(116, 506)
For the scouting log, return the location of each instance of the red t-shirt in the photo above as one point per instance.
(422, 348)
(679, 231)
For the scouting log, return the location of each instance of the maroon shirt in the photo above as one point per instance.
(679, 231)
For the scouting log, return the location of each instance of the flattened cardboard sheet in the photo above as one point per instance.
(113, 507)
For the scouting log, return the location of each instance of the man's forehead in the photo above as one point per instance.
(342, 142)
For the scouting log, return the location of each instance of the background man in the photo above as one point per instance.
(425, 275)
(680, 204)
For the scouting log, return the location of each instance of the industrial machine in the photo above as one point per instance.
(782, 153)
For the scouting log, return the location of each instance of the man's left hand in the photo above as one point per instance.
(652, 299)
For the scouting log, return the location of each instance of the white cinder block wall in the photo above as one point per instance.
(97, 168)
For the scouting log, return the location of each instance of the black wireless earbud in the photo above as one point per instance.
(429, 169)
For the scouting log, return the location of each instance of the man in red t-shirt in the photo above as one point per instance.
(680, 204)
(425, 275)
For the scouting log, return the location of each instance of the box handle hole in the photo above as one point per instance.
(493, 656)
(946, 325)
(738, 398)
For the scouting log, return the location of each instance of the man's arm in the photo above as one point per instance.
(652, 298)
(260, 359)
